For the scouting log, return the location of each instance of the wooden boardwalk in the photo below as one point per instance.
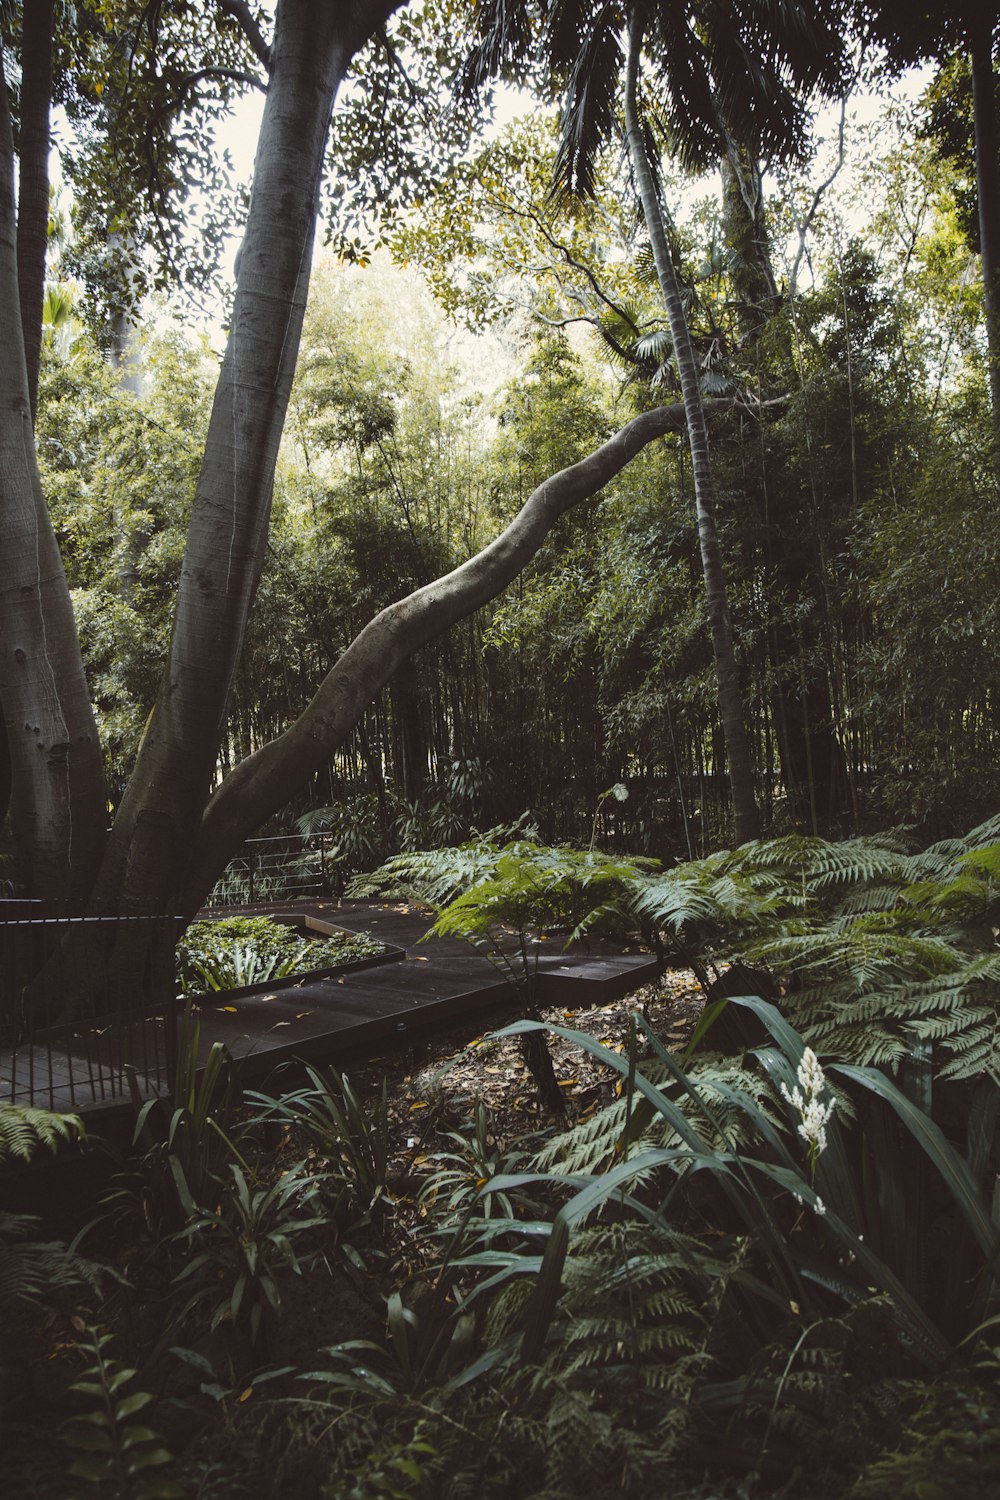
(416, 986)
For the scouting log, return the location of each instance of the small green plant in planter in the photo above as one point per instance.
(234, 952)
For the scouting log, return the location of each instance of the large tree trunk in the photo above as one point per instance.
(746, 813)
(33, 180)
(58, 809)
(163, 805)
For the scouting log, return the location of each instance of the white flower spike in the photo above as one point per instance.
(815, 1115)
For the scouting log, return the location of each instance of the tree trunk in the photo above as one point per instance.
(987, 133)
(4, 773)
(162, 808)
(813, 764)
(741, 779)
(58, 808)
(33, 181)
(750, 268)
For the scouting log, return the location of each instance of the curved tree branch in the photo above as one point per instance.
(261, 784)
(244, 17)
(189, 82)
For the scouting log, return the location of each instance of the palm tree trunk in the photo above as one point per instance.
(741, 779)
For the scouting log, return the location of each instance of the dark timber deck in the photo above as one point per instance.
(415, 987)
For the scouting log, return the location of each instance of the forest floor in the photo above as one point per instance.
(489, 1067)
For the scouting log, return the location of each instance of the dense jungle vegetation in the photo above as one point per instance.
(602, 539)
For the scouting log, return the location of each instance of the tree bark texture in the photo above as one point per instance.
(33, 180)
(813, 765)
(741, 778)
(57, 802)
(160, 813)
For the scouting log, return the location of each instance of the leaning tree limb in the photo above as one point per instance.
(262, 783)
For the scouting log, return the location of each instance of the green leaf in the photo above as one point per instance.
(954, 1170)
(148, 1458)
(91, 1440)
(94, 1469)
(129, 1405)
(541, 1306)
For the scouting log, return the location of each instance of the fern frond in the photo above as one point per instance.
(25, 1130)
(32, 1270)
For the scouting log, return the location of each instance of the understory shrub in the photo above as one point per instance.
(766, 1267)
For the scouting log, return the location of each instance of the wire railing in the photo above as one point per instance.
(87, 1002)
(278, 869)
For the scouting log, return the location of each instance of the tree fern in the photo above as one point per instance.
(30, 1270)
(33, 1270)
(25, 1131)
(595, 1144)
(863, 938)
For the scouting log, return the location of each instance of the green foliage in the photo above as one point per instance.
(126, 1458)
(534, 887)
(504, 898)
(25, 1131)
(32, 1270)
(235, 951)
(349, 1135)
(187, 1140)
(950, 1443)
(875, 948)
(35, 1271)
(119, 473)
(455, 1176)
(851, 1237)
(237, 1255)
(501, 893)
(403, 1471)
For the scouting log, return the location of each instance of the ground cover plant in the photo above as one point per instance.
(745, 1261)
(233, 951)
